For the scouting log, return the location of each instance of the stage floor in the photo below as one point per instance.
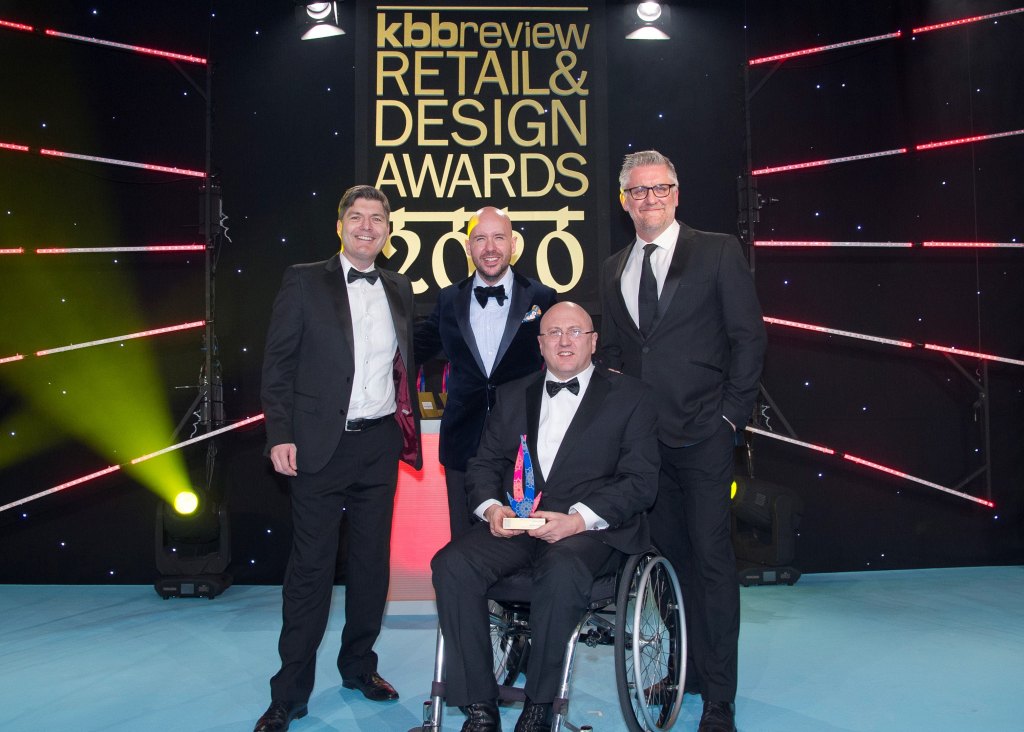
(928, 650)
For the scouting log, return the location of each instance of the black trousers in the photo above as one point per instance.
(690, 525)
(360, 480)
(459, 518)
(563, 576)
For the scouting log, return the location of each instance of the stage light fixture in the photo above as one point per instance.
(192, 538)
(765, 518)
(323, 18)
(649, 13)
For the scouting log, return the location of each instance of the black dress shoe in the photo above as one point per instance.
(718, 717)
(279, 715)
(534, 718)
(481, 717)
(373, 687)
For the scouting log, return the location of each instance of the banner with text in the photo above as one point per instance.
(462, 106)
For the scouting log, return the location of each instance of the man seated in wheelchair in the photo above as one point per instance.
(583, 442)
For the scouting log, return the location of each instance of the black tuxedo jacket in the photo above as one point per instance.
(705, 350)
(608, 458)
(470, 390)
(308, 362)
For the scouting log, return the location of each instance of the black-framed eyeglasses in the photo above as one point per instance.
(639, 193)
(573, 333)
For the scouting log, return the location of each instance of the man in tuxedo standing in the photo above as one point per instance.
(486, 326)
(592, 438)
(679, 310)
(340, 412)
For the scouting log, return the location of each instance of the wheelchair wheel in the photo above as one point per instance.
(650, 644)
(510, 642)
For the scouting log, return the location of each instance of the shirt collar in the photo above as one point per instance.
(506, 281)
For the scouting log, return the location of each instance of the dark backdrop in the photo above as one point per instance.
(283, 151)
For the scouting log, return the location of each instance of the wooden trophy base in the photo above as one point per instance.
(522, 523)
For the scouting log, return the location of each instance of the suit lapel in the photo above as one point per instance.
(518, 306)
(575, 435)
(339, 294)
(680, 258)
(534, 394)
(462, 303)
(623, 315)
(398, 315)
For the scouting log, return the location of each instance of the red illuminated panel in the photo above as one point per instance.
(830, 161)
(62, 486)
(130, 336)
(13, 146)
(922, 481)
(972, 245)
(833, 331)
(965, 21)
(966, 140)
(820, 244)
(972, 354)
(790, 440)
(204, 436)
(127, 163)
(128, 47)
(820, 49)
(11, 359)
(99, 250)
(16, 250)
(15, 26)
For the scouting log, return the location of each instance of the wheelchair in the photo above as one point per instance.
(638, 610)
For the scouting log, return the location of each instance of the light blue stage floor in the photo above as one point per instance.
(928, 650)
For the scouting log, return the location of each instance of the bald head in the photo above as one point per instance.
(490, 243)
(564, 354)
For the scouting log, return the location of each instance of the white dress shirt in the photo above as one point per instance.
(661, 258)
(556, 414)
(375, 343)
(488, 323)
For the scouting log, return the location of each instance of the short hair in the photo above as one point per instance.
(362, 191)
(642, 158)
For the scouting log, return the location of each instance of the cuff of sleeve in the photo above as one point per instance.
(592, 520)
(479, 512)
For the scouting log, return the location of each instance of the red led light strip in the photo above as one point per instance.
(128, 47)
(130, 336)
(62, 486)
(13, 146)
(95, 250)
(868, 463)
(876, 244)
(18, 250)
(127, 163)
(783, 438)
(973, 354)
(833, 331)
(15, 26)
(206, 436)
(922, 481)
(965, 21)
(972, 245)
(820, 49)
(891, 342)
(891, 244)
(830, 161)
(965, 140)
(113, 468)
(10, 359)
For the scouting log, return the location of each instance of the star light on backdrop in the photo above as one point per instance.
(108, 393)
(751, 202)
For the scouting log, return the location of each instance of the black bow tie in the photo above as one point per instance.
(370, 275)
(482, 293)
(554, 387)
